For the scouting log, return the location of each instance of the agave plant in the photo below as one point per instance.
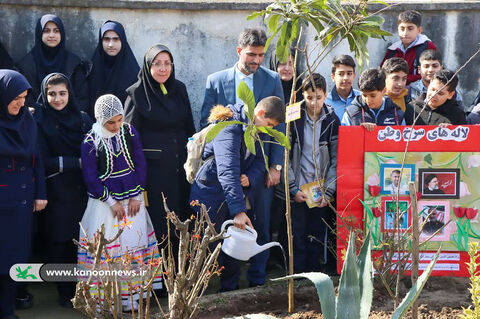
(355, 289)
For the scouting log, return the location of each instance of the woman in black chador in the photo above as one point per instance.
(22, 182)
(114, 65)
(50, 55)
(158, 106)
(5, 59)
(61, 130)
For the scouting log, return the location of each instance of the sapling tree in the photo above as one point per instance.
(332, 23)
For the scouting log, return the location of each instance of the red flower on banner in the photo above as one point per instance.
(374, 190)
(459, 211)
(376, 212)
(419, 195)
(471, 213)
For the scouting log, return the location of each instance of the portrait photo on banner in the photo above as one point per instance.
(439, 183)
(391, 213)
(393, 180)
(434, 215)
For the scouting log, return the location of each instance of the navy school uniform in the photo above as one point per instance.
(21, 182)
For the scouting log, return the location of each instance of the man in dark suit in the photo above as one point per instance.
(221, 88)
(431, 182)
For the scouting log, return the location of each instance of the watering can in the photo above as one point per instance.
(242, 244)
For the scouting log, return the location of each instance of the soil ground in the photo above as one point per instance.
(441, 298)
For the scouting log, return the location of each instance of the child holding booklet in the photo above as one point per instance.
(316, 131)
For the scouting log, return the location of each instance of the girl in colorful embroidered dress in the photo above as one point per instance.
(114, 170)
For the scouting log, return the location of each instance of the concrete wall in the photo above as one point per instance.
(202, 34)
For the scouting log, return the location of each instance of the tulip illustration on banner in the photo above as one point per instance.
(374, 190)
(374, 213)
(464, 228)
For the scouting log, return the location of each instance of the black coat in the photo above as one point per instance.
(60, 137)
(76, 70)
(164, 122)
(5, 59)
(449, 112)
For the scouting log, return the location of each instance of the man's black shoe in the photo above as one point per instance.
(25, 302)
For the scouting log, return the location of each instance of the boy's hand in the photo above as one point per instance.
(443, 125)
(273, 178)
(323, 202)
(244, 180)
(133, 207)
(369, 126)
(241, 220)
(300, 197)
(118, 211)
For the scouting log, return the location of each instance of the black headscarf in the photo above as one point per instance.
(287, 85)
(18, 133)
(5, 59)
(49, 60)
(148, 97)
(63, 127)
(112, 74)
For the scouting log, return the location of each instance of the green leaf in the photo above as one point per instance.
(416, 289)
(273, 22)
(325, 291)
(295, 30)
(281, 52)
(283, 33)
(366, 277)
(244, 94)
(270, 39)
(374, 19)
(255, 15)
(374, 32)
(315, 23)
(277, 135)
(428, 158)
(217, 128)
(367, 208)
(318, 4)
(250, 140)
(379, 2)
(348, 300)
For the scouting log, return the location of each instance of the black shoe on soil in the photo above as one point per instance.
(25, 302)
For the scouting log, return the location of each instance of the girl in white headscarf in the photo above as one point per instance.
(114, 170)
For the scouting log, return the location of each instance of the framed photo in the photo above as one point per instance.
(390, 180)
(439, 183)
(390, 212)
(434, 215)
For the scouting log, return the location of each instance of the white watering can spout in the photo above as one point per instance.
(242, 244)
(258, 249)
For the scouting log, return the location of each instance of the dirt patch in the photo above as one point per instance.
(441, 298)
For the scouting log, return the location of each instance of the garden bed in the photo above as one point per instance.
(441, 298)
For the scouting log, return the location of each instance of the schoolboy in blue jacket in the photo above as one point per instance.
(233, 175)
(372, 108)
